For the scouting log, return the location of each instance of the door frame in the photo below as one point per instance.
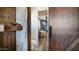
(29, 27)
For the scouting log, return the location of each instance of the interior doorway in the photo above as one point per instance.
(37, 28)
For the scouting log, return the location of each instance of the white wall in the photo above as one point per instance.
(35, 24)
(21, 36)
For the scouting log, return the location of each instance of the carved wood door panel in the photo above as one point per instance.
(7, 39)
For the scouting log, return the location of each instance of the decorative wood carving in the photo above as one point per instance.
(12, 27)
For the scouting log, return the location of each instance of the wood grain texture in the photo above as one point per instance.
(65, 27)
(7, 39)
(29, 28)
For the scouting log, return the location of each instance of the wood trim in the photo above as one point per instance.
(29, 27)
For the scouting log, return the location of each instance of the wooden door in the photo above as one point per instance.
(7, 39)
(64, 23)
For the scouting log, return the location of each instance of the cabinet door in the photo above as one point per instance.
(7, 39)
